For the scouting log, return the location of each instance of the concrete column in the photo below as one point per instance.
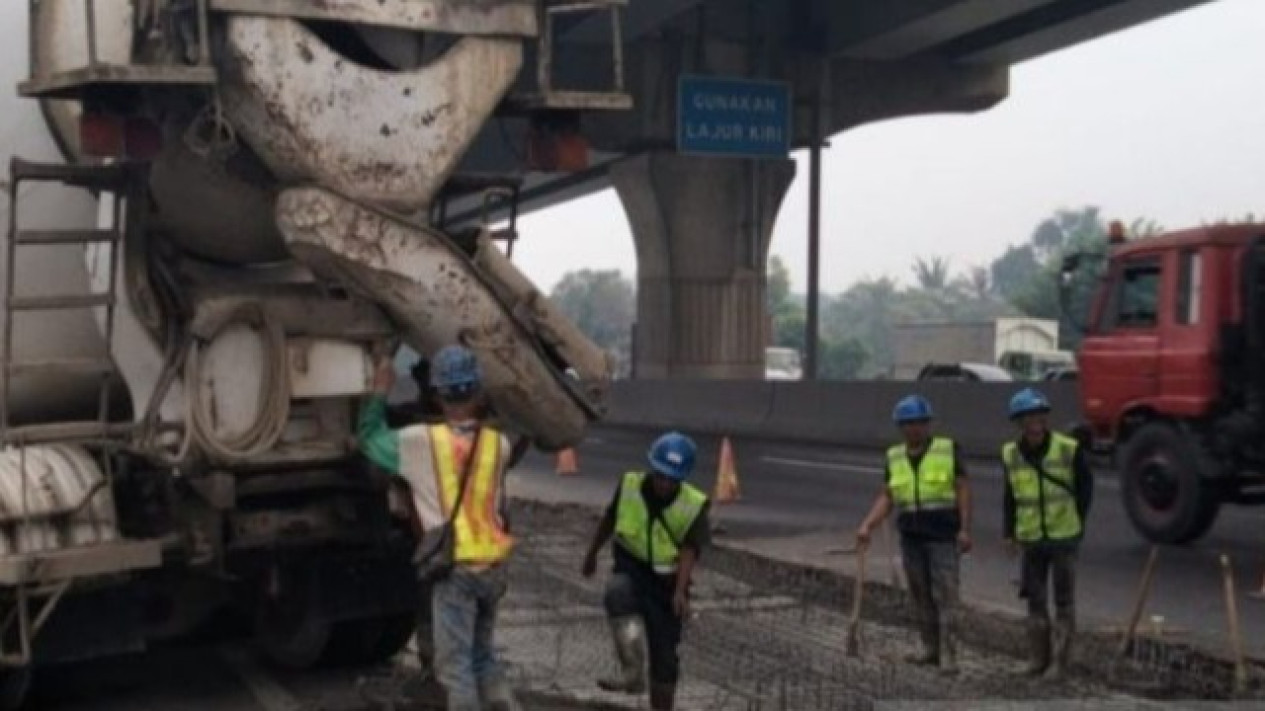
(702, 228)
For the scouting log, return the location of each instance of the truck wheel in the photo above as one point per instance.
(368, 640)
(1164, 486)
(15, 686)
(291, 630)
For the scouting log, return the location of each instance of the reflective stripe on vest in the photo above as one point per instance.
(646, 540)
(932, 487)
(1044, 510)
(479, 532)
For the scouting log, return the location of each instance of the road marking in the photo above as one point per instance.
(266, 690)
(810, 464)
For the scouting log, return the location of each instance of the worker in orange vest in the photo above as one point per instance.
(455, 470)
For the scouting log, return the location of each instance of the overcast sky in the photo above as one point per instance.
(1165, 121)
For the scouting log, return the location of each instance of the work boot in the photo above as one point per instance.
(948, 650)
(1064, 633)
(629, 634)
(662, 697)
(1038, 646)
(498, 696)
(930, 651)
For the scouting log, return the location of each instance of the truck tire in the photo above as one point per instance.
(1165, 487)
(290, 628)
(15, 686)
(368, 641)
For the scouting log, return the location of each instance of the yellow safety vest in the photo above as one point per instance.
(1044, 510)
(932, 487)
(479, 532)
(655, 542)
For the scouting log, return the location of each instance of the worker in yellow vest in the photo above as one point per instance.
(1048, 491)
(455, 470)
(660, 527)
(927, 486)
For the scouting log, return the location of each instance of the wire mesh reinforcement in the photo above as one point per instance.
(771, 637)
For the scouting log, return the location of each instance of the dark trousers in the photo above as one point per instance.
(635, 595)
(1043, 563)
(931, 566)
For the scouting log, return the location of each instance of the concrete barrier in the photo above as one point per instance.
(853, 414)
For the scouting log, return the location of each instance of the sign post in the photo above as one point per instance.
(739, 118)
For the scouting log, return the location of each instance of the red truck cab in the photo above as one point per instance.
(1171, 375)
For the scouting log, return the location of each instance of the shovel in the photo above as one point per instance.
(858, 591)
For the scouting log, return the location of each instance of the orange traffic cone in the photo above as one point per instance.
(726, 476)
(567, 463)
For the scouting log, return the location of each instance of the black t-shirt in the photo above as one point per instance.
(938, 525)
(697, 537)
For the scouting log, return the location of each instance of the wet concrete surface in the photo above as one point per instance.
(803, 503)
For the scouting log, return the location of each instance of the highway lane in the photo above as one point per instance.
(803, 502)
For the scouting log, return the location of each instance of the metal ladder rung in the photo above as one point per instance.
(563, 6)
(64, 431)
(84, 176)
(48, 237)
(60, 302)
(78, 366)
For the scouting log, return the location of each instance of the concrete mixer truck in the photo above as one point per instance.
(219, 212)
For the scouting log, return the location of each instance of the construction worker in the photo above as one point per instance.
(460, 458)
(926, 483)
(1048, 491)
(660, 527)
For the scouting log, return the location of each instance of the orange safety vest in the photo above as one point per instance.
(479, 530)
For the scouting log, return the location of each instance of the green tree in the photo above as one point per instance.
(1045, 292)
(932, 274)
(843, 359)
(603, 305)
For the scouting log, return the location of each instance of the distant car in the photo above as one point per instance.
(1061, 375)
(782, 364)
(964, 373)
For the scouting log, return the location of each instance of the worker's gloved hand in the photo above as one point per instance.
(863, 537)
(964, 542)
(681, 604)
(590, 565)
(1012, 548)
(383, 376)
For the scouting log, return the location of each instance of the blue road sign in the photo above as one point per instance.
(733, 117)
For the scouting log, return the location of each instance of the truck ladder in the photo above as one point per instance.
(114, 179)
(33, 583)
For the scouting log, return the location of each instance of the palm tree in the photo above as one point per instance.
(932, 274)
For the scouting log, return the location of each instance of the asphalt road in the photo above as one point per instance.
(803, 502)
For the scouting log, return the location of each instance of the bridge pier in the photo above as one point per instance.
(702, 228)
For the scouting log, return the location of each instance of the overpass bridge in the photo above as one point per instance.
(702, 224)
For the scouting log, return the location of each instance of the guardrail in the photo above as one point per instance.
(855, 414)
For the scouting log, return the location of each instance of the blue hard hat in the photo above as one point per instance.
(1027, 401)
(672, 455)
(455, 373)
(913, 408)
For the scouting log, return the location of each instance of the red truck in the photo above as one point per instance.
(1172, 375)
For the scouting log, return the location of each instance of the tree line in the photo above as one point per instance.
(856, 325)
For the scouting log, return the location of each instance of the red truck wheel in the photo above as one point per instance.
(1165, 487)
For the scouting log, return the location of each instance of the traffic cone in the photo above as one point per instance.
(567, 463)
(726, 476)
